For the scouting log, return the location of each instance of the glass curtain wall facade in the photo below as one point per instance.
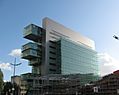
(77, 58)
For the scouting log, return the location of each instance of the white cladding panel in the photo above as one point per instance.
(56, 28)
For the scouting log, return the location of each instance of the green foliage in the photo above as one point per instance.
(8, 88)
(1, 80)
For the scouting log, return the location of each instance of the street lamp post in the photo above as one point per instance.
(116, 37)
(14, 65)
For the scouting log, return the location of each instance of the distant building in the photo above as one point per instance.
(16, 79)
(20, 83)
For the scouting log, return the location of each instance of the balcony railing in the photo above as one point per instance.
(32, 32)
(31, 45)
(29, 54)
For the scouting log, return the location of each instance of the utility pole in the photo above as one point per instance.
(14, 65)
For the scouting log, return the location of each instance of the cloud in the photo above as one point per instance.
(107, 64)
(5, 66)
(15, 53)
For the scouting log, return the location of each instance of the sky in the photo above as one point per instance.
(96, 19)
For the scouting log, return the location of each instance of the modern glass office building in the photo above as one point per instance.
(56, 49)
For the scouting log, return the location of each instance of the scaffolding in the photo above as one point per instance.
(56, 85)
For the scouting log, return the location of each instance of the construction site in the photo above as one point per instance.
(56, 84)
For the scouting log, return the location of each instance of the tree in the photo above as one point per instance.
(7, 89)
(1, 81)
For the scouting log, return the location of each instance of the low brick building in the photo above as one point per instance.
(109, 84)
